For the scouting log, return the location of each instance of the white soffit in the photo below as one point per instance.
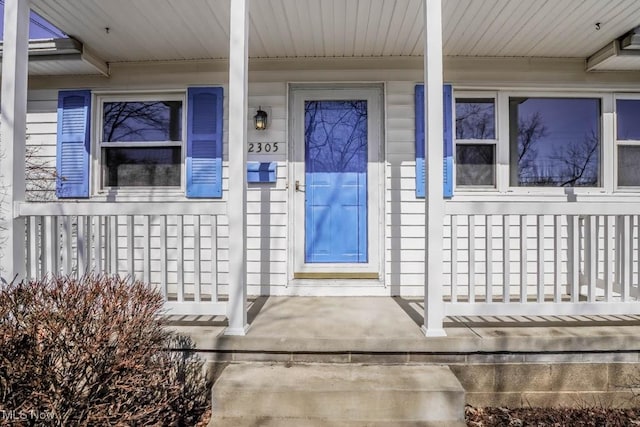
(157, 30)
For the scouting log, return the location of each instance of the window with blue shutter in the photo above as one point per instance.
(204, 142)
(447, 142)
(73, 144)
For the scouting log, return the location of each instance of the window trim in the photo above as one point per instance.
(470, 94)
(123, 191)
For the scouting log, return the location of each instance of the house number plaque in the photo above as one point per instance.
(263, 147)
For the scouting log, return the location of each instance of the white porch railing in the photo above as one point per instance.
(553, 258)
(171, 245)
(507, 258)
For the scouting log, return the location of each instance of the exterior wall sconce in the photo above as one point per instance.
(260, 119)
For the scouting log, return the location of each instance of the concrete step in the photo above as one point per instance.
(338, 393)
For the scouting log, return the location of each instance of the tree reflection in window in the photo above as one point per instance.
(555, 142)
(475, 118)
(142, 121)
(336, 136)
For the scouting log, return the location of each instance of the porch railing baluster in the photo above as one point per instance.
(506, 258)
(214, 258)
(557, 259)
(523, 258)
(32, 247)
(637, 252)
(146, 257)
(180, 256)
(131, 248)
(454, 258)
(113, 244)
(49, 238)
(627, 265)
(574, 242)
(540, 248)
(608, 257)
(164, 283)
(592, 278)
(98, 242)
(471, 257)
(196, 257)
(81, 245)
(588, 262)
(488, 239)
(67, 256)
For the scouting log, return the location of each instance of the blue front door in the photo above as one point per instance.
(335, 135)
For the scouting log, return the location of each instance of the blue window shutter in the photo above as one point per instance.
(420, 166)
(204, 142)
(447, 142)
(73, 145)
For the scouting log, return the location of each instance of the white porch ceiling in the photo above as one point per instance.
(152, 30)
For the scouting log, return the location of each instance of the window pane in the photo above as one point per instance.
(628, 111)
(555, 142)
(628, 170)
(475, 164)
(475, 118)
(135, 167)
(335, 136)
(142, 121)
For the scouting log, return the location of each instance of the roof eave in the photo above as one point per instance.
(63, 49)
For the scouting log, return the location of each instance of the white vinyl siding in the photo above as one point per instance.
(405, 214)
(41, 144)
(267, 211)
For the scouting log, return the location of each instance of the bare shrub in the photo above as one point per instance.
(93, 351)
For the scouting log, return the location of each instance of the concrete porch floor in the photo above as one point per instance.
(390, 326)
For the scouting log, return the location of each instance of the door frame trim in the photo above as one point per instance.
(298, 270)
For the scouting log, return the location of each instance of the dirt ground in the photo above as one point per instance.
(539, 417)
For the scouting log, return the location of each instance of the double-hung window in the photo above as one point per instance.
(628, 141)
(141, 141)
(475, 131)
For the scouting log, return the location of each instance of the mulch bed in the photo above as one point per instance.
(539, 417)
(204, 419)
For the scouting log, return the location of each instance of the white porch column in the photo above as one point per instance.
(237, 205)
(433, 80)
(13, 113)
